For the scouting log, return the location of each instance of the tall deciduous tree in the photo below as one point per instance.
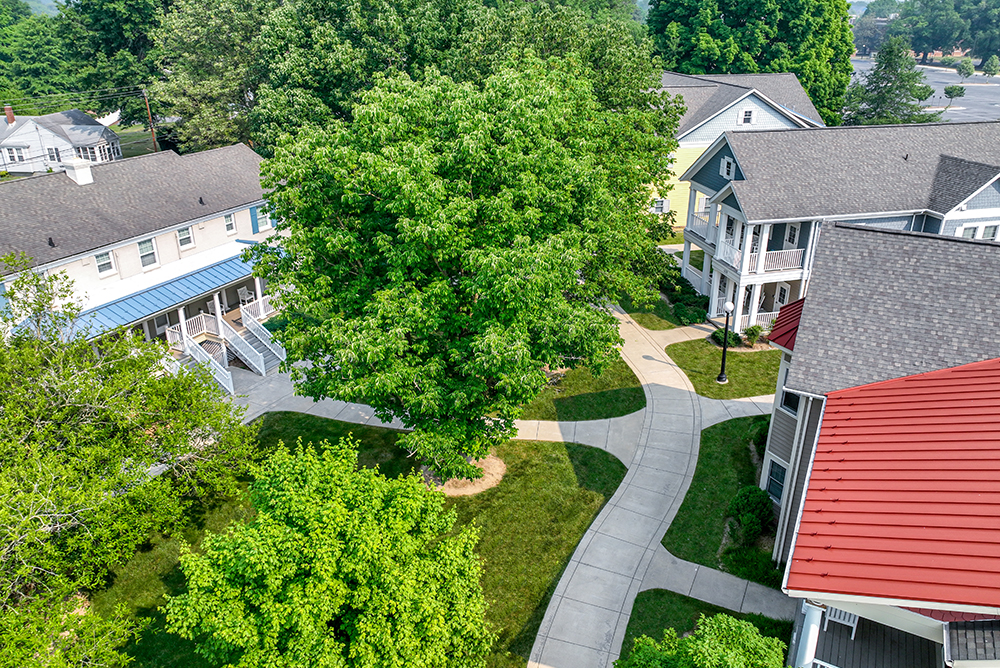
(340, 567)
(718, 642)
(451, 241)
(34, 60)
(811, 38)
(930, 25)
(984, 27)
(891, 92)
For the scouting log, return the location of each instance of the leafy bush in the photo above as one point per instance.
(752, 563)
(948, 61)
(753, 512)
(750, 529)
(719, 336)
(752, 333)
(689, 315)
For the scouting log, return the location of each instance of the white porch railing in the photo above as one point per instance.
(200, 355)
(203, 323)
(698, 223)
(693, 275)
(243, 348)
(261, 333)
(763, 320)
(778, 260)
(822, 664)
(728, 253)
(260, 309)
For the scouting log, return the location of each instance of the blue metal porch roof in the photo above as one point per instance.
(144, 304)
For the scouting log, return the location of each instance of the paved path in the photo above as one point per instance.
(620, 554)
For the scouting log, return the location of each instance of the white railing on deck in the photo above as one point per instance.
(243, 348)
(260, 309)
(174, 337)
(728, 253)
(765, 320)
(693, 275)
(261, 333)
(822, 664)
(203, 323)
(698, 224)
(218, 371)
(773, 260)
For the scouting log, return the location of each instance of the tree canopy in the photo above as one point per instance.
(340, 567)
(452, 240)
(719, 641)
(930, 25)
(891, 92)
(811, 38)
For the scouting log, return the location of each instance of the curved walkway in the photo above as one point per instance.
(620, 554)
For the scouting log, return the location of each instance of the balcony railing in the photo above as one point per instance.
(778, 260)
(764, 320)
(261, 309)
(729, 253)
(699, 224)
(693, 275)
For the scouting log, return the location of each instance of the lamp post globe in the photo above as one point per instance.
(728, 307)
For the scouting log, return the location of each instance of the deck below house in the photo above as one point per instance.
(875, 646)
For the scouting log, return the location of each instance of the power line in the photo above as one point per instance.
(134, 90)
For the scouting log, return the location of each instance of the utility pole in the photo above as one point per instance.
(149, 115)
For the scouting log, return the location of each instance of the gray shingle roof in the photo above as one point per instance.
(884, 304)
(128, 198)
(707, 95)
(75, 126)
(819, 172)
(974, 641)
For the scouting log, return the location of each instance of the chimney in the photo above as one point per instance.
(9, 110)
(78, 169)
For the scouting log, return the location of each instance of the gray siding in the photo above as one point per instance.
(805, 231)
(765, 118)
(777, 241)
(709, 177)
(797, 490)
(731, 201)
(951, 225)
(782, 435)
(885, 223)
(988, 199)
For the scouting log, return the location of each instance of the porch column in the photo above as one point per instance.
(692, 203)
(713, 224)
(225, 300)
(706, 270)
(686, 258)
(747, 231)
(754, 300)
(259, 284)
(218, 311)
(145, 330)
(739, 295)
(810, 635)
(713, 296)
(183, 321)
(765, 236)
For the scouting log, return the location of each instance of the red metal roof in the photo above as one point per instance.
(786, 325)
(904, 497)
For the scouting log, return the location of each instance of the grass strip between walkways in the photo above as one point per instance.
(750, 374)
(658, 609)
(724, 466)
(580, 395)
(530, 525)
(657, 317)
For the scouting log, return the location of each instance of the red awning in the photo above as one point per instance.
(786, 325)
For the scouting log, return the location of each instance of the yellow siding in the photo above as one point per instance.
(678, 195)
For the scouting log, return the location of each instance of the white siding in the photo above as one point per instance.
(37, 140)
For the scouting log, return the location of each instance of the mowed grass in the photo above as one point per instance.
(659, 316)
(135, 140)
(580, 395)
(530, 525)
(750, 374)
(657, 609)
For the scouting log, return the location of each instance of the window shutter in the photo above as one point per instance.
(722, 168)
(253, 220)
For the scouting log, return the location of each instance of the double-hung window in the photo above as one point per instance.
(660, 206)
(184, 238)
(230, 224)
(776, 480)
(727, 167)
(105, 265)
(990, 232)
(53, 154)
(263, 220)
(747, 117)
(789, 400)
(15, 155)
(147, 253)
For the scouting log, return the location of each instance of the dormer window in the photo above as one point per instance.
(727, 168)
(747, 117)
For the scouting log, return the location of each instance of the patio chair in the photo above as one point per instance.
(841, 617)
(245, 296)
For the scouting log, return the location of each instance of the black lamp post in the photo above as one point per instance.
(722, 380)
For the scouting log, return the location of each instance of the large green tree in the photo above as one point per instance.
(930, 25)
(891, 92)
(983, 17)
(34, 61)
(719, 641)
(811, 38)
(450, 241)
(882, 8)
(341, 567)
(100, 444)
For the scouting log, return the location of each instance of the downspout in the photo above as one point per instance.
(810, 635)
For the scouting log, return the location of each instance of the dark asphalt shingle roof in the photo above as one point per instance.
(75, 126)
(707, 95)
(128, 198)
(819, 172)
(974, 641)
(884, 304)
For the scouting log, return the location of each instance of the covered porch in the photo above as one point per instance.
(756, 302)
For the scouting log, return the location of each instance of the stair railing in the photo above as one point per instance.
(243, 348)
(262, 334)
(200, 355)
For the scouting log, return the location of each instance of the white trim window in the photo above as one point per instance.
(86, 153)
(776, 480)
(789, 400)
(781, 292)
(160, 323)
(230, 223)
(792, 232)
(986, 232)
(748, 116)
(727, 168)
(990, 232)
(263, 220)
(53, 154)
(104, 152)
(147, 253)
(15, 155)
(184, 237)
(105, 264)
(660, 206)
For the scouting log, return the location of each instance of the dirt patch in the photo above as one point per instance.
(743, 348)
(493, 469)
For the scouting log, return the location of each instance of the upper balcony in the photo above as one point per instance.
(698, 224)
(783, 260)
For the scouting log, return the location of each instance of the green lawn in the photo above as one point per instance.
(750, 373)
(657, 609)
(135, 140)
(724, 466)
(580, 395)
(530, 524)
(659, 316)
(697, 258)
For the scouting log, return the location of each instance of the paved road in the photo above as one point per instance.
(982, 95)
